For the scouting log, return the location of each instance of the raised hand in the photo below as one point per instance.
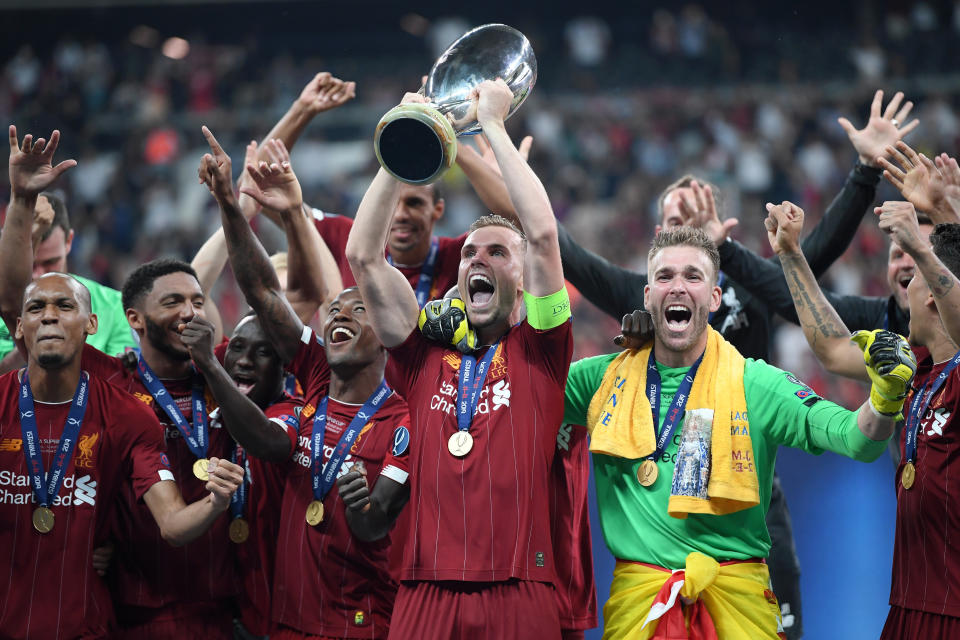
(899, 220)
(43, 215)
(31, 164)
(700, 210)
(275, 185)
(493, 101)
(225, 478)
(919, 181)
(784, 222)
(881, 130)
(216, 169)
(325, 92)
(248, 206)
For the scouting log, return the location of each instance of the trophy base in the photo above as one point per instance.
(415, 143)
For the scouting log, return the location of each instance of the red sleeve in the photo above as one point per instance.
(148, 463)
(406, 362)
(396, 463)
(98, 364)
(334, 230)
(310, 364)
(286, 413)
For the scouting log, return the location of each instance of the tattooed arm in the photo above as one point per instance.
(899, 219)
(824, 330)
(249, 260)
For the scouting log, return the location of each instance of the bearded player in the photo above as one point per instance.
(478, 560)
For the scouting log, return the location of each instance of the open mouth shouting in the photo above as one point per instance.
(245, 383)
(480, 289)
(341, 334)
(677, 317)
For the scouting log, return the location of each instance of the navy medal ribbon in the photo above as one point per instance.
(470, 383)
(47, 486)
(324, 475)
(675, 412)
(195, 435)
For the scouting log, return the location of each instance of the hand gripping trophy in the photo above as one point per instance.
(416, 143)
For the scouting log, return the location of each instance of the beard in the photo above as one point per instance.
(699, 319)
(52, 360)
(160, 340)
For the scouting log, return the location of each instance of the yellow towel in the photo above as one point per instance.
(621, 424)
(737, 598)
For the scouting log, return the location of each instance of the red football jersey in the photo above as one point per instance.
(335, 229)
(576, 589)
(255, 557)
(48, 587)
(926, 569)
(484, 517)
(147, 572)
(328, 582)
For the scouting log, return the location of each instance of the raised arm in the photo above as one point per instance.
(249, 260)
(31, 171)
(899, 220)
(484, 175)
(543, 271)
(322, 93)
(179, 522)
(390, 299)
(247, 424)
(822, 327)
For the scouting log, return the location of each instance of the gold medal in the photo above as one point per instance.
(460, 444)
(908, 475)
(314, 513)
(200, 469)
(43, 520)
(239, 530)
(647, 472)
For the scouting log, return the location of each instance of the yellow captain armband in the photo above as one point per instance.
(549, 311)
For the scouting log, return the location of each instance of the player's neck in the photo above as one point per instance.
(412, 257)
(941, 347)
(54, 385)
(354, 385)
(162, 364)
(486, 336)
(678, 359)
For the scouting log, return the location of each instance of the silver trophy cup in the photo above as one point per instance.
(415, 142)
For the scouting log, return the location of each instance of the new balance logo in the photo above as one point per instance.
(501, 394)
(86, 491)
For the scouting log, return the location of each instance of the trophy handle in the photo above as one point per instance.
(415, 143)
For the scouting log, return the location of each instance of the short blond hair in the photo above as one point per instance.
(686, 237)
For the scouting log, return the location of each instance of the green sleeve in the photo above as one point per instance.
(113, 334)
(582, 382)
(6, 341)
(789, 413)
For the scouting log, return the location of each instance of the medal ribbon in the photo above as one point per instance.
(470, 384)
(238, 501)
(45, 493)
(675, 412)
(426, 273)
(196, 435)
(324, 475)
(919, 405)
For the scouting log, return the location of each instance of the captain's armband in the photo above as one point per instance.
(547, 312)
